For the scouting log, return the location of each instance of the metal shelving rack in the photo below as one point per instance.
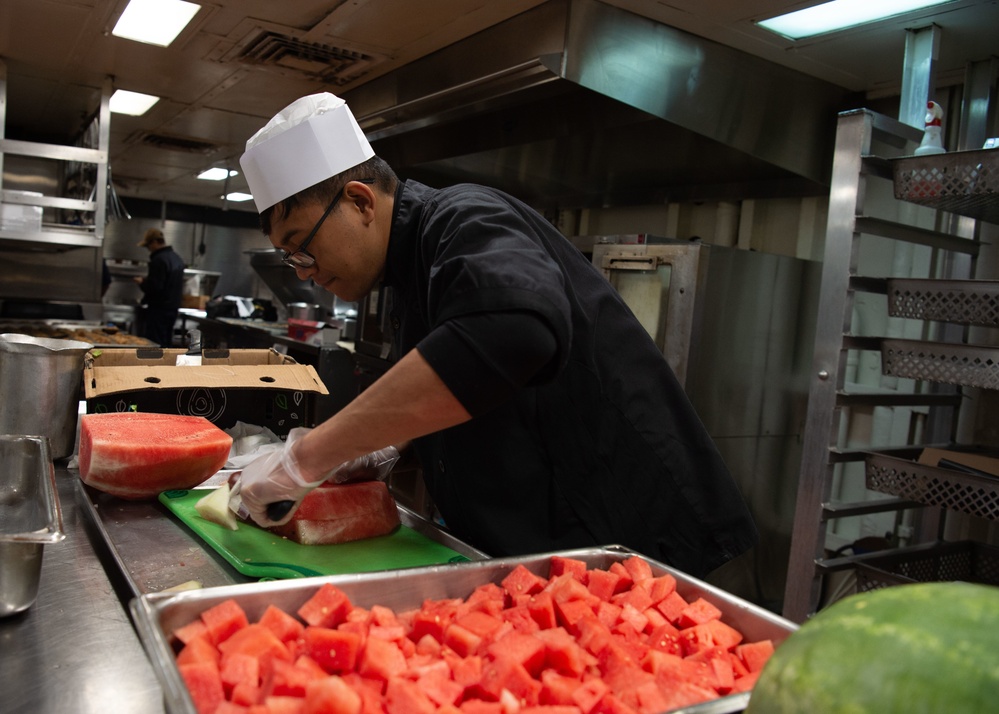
(963, 183)
(60, 235)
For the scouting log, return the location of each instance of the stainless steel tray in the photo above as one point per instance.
(156, 615)
(934, 485)
(968, 302)
(963, 182)
(950, 363)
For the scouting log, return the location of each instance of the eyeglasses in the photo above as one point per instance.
(301, 258)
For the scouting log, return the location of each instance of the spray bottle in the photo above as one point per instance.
(932, 142)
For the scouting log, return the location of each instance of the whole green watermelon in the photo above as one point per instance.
(909, 649)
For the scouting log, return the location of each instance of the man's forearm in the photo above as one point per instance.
(408, 401)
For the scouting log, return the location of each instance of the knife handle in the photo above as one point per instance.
(279, 509)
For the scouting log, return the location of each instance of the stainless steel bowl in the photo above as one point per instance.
(30, 518)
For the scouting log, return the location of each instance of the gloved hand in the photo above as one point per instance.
(375, 466)
(274, 478)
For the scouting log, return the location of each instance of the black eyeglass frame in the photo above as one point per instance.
(302, 258)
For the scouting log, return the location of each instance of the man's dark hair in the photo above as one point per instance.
(323, 192)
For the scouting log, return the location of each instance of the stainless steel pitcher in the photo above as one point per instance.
(40, 387)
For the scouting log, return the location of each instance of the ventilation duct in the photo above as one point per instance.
(578, 103)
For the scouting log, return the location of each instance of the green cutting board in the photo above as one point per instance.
(258, 553)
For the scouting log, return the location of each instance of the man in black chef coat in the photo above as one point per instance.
(162, 288)
(543, 414)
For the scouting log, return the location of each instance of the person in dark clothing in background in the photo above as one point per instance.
(161, 288)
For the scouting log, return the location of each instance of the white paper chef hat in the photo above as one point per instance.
(310, 140)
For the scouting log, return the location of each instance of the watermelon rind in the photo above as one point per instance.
(922, 648)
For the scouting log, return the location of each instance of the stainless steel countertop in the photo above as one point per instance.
(74, 649)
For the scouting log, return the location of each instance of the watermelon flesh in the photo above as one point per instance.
(339, 513)
(137, 455)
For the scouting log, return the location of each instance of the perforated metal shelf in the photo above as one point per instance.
(965, 365)
(933, 485)
(969, 302)
(962, 182)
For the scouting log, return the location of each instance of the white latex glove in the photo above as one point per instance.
(274, 478)
(375, 466)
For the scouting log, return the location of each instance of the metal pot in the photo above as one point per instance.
(306, 311)
(41, 380)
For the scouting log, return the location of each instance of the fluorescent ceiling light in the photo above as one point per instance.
(134, 103)
(839, 15)
(237, 196)
(217, 174)
(155, 22)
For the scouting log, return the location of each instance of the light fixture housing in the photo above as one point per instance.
(217, 174)
(132, 103)
(155, 22)
(840, 15)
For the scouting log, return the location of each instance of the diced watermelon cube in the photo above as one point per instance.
(204, 685)
(405, 697)
(440, 688)
(240, 668)
(257, 641)
(671, 606)
(199, 649)
(666, 638)
(328, 607)
(549, 709)
(609, 704)
(560, 565)
(638, 568)
(745, 683)
(223, 620)
(466, 671)
(283, 625)
(638, 598)
(521, 581)
(527, 650)
(284, 705)
(462, 640)
(755, 654)
(542, 609)
(286, 680)
(602, 583)
(570, 612)
(562, 652)
(480, 623)
(478, 706)
(331, 695)
(588, 694)
(625, 583)
(698, 612)
(501, 674)
(557, 688)
(335, 651)
(381, 659)
(658, 587)
(191, 630)
(519, 616)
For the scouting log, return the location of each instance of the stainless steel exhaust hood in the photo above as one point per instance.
(576, 103)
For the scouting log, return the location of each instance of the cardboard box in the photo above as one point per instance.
(194, 302)
(261, 387)
(979, 462)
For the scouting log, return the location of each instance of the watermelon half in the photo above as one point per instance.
(924, 647)
(137, 455)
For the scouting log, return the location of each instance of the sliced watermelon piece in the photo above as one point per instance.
(137, 455)
(340, 513)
